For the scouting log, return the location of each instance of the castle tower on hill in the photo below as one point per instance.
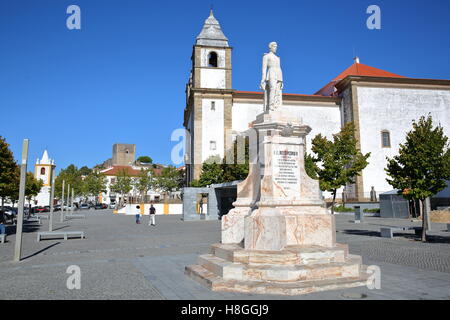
(124, 154)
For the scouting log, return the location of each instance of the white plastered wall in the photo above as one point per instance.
(212, 128)
(393, 109)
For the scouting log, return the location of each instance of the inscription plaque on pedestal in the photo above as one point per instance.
(286, 173)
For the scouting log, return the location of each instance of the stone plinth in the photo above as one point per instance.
(279, 238)
(295, 270)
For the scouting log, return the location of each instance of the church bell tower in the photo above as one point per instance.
(207, 116)
(43, 170)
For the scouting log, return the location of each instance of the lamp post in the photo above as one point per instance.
(62, 202)
(52, 196)
(72, 203)
(23, 174)
(68, 197)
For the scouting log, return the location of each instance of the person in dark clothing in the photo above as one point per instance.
(152, 216)
(2, 222)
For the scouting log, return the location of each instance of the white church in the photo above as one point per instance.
(43, 170)
(380, 103)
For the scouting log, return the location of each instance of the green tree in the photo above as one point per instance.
(420, 169)
(236, 170)
(85, 171)
(94, 184)
(123, 184)
(195, 184)
(336, 163)
(212, 172)
(144, 159)
(13, 189)
(144, 181)
(216, 170)
(170, 179)
(73, 177)
(8, 171)
(32, 188)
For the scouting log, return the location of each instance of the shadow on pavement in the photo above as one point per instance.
(40, 251)
(362, 233)
(59, 228)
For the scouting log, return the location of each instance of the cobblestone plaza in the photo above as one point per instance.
(120, 259)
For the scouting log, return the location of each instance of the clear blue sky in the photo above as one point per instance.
(121, 78)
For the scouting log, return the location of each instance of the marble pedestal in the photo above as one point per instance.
(279, 238)
(292, 271)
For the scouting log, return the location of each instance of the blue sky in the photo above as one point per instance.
(121, 78)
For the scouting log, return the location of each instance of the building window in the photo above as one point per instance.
(113, 180)
(212, 145)
(385, 139)
(212, 59)
(213, 106)
(42, 171)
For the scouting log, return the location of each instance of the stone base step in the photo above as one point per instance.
(283, 273)
(292, 255)
(216, 283)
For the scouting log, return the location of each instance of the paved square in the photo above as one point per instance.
(122, 260)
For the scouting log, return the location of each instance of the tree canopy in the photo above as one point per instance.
(145, 159)
(123, 184)
(169, 179)
(73, 177)
(335, 163)
(32, 186)
(144, 181)
(9, 171)
(421, 168)
(93, 184)
(216, 170)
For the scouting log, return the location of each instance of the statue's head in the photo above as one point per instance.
(273, 47)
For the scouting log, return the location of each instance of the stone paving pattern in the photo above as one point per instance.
(122, 260)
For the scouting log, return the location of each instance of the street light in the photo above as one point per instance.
(23, 174)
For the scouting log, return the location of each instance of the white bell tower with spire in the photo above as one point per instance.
(43, 170)
(207, 116)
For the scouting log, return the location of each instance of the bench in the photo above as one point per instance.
(388, 232)
(75, 216)
(2, 238)
(60, 234)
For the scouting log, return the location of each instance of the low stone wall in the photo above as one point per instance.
(161, 209)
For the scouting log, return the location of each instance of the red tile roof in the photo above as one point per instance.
(284, 94)
(114, 171)
(359, 69)
(356, 69)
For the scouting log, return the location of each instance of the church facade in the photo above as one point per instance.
(381, 104)
(44, 171)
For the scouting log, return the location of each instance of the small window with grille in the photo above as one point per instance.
(385, 139)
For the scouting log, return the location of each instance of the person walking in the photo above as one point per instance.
(152, 216)
(138, 215)
(2, 222)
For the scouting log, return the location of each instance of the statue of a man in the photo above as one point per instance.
(272, 79)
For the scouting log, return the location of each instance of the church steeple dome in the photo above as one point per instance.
(212, 34)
